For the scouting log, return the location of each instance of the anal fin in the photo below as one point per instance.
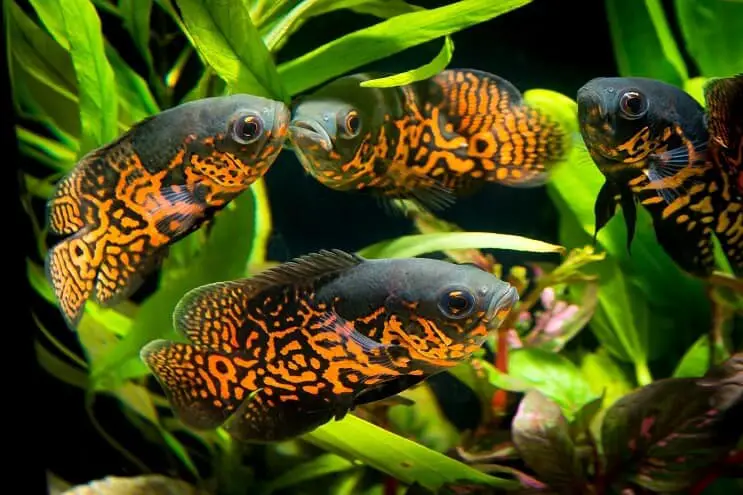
(203, 387)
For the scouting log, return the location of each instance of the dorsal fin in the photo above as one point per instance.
(206, 302)
(307, 268)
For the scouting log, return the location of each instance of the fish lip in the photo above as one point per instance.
(310, 131)
(506, 301)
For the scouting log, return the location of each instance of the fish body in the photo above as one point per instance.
(276, 355)
(724, 101)
(651, 142)
(125, 203)
(429, 141)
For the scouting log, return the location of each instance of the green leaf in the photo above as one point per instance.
(322, 465)
(643, 42)
(223, 257)
(135, 99)
(60, 156)
(696, 360)
(136, 17)
(553, 375)
(541, 435)
(180, 451)
(59, 369)
(424, 420)
(406, 460)
(276, 34)
(666, 435)
(225, 36)
(711, 30)
(426, 71)
(42, 75)
(604, 376)
(387, 38)
(75, 25)
(416, 245)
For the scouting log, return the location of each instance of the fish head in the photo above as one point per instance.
(624, 120)
(443, 312)
(238, 138)
(333, 132)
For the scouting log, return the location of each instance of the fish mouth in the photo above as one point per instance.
(306, 133)
(501, 306)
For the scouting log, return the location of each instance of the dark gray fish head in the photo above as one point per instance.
(333, 129)
(237, 138)
(440, 312)
(625, 119)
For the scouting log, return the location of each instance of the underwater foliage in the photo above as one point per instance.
(614, 411)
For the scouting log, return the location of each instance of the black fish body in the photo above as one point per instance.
(650, 140)
(311, 339)
(125, 203)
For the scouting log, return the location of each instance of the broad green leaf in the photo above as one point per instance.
(387, 38)
(424, 420)
(695, 87)
(406, 460)
(554, 376)
(643, 42)
(225, 36)
(695, 362)
(605, 376)
(416, 245)
(423, 72)
(711, 30)
(223, 257)
(542, 436)
(666, 435)
(75, 25)
(322, 465)
(136, 17)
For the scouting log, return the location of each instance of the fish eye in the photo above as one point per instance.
(457, 303)
(352, 123)
(247, 128)
(633, 105)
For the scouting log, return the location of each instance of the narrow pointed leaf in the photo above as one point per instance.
(416, 245)
(423, 72)
(387, 38)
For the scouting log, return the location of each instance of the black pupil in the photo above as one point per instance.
(353, 123)
(458, 303)
(250, 129)
(633, 103)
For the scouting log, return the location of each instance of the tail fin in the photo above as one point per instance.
(203, 387)
(71, 267)
(516, 144)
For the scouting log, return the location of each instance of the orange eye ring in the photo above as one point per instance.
(352, 123)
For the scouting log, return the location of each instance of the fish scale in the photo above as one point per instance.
(276, 355)
(125, 203)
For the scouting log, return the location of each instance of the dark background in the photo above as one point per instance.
(547, 44)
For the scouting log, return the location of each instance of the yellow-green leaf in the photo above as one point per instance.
(423, 72)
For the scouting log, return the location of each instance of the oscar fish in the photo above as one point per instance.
(125, 203)
(430, 141)
(651, 142)
(279, 354)
(724, 100)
